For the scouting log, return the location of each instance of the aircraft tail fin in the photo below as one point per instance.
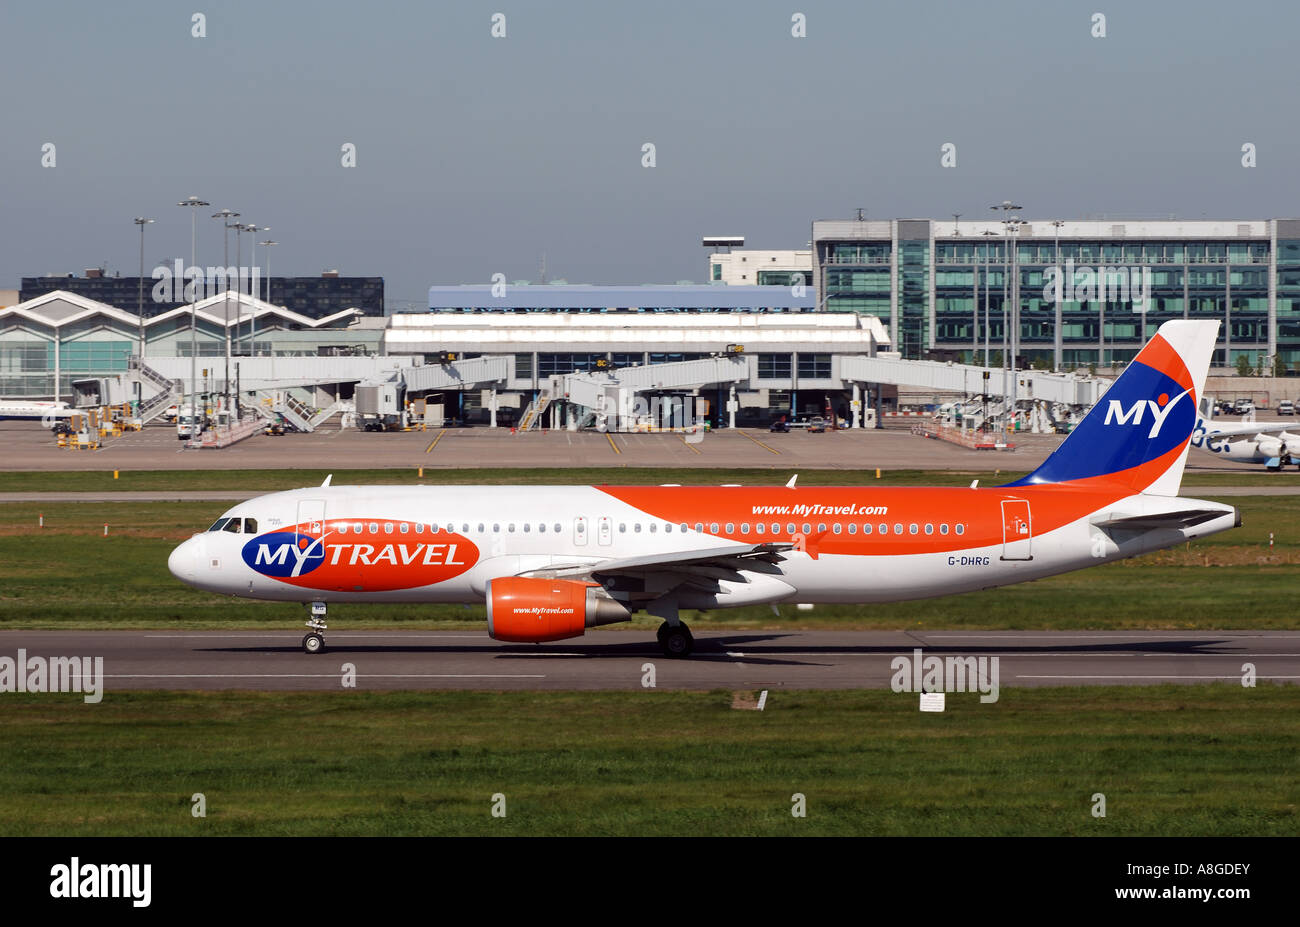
(1137, 434)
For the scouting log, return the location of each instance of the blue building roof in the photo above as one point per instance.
(591, 298)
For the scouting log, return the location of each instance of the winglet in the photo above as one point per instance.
(790, 485)
(327, 480)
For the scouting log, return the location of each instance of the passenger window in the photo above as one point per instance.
(853, 528)
(637, 527)
(557, 527)
(960, 529)
(731, 527)
(403, 527)
(374, 527)
(713, 527)
(541, 528)
(511, 527)
(866, 528)
(821, 527)
(807, 528)
(929, 529)
(776, 528)
(884, 528)
(744, 527)
(481, 528)
(943, 529)
(388, 527)
(790, 528)
(684, 527)
(898, 527)
(699, 526)
(419, 527)
(913, 528)
(496, 529)
(526, 528)
(653, 527)
(668, 527)
(250, 526)
(838, 527)
(622, 528)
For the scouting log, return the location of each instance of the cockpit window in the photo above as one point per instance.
(233, 525)
(250, 526)
(219, 524)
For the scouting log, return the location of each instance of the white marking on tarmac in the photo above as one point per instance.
(323, 676)
(1141, 676)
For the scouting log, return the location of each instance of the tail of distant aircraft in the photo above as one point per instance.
(1137, 435)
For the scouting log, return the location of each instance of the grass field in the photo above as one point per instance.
(68, 575)
(253, 481)
(1172, 760)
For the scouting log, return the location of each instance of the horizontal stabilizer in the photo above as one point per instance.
(1187, 518)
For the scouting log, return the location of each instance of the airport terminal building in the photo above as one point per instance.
(940, 285)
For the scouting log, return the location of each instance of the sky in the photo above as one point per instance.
(476, 154)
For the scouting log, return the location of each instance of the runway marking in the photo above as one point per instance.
(1237, 677)
(348, 635)
(323, 676)
(434, 442)
(770, 450)
(690, 447)
(1112, 637)
(735, 653)
(610, 438)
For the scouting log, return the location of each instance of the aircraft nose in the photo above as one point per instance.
(184, 560)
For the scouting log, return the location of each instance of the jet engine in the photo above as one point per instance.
(531, 610)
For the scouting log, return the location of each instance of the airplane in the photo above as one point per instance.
(44, 410)
(550, 562)
(1260, 442)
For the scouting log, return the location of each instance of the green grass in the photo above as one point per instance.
(1171, 761)
(68, 575)
(253, 481)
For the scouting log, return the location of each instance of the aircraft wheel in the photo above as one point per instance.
(313, 643)
(676, 642)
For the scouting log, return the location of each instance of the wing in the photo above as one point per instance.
(658, 582)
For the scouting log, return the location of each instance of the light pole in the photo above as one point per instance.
(1009, 288)
(252, 322)
(193, 201)
(225, 215)
(239, 259)
(252, 279)
(139, 298)
(1058, 341)
(987, 359)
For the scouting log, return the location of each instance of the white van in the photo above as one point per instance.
(187, 426)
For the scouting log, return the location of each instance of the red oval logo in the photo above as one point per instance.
(351, 555)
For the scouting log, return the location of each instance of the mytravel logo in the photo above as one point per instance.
(1071, 284)
(356, 556)
(53, 674)
(1160, 408)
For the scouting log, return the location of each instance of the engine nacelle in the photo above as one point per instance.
(529, 610)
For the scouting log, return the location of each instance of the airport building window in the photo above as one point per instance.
(774, 366)
(815, 366)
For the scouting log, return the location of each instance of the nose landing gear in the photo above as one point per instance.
(314, 642)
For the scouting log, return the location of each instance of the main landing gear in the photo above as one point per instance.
(314, 642)
(676, 640)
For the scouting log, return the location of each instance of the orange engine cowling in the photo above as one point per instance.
(530, 610)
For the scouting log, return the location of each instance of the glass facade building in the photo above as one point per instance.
(1071, 293)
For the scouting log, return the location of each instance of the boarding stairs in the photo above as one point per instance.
(167, 392)
(536, 409)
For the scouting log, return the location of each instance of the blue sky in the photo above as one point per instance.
(477, 154)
